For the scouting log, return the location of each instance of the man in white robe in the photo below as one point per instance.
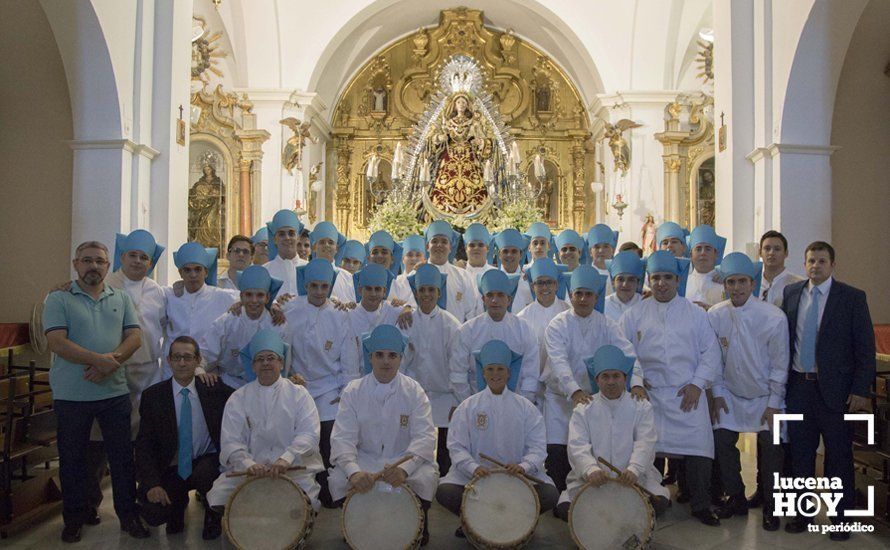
(230, 332)
(750, 388)
(441, 243)
(775, 277)
(571, 337)
(677, 348)
(239, 252)
(384, 251)
(703, 287)
(326, 242)
(615, 427)
(602, 242)
(323, 356)
(372, 287)
(572, 249)
(626, 271)
(672, 237)
(192, 310)
(500, 424)
(497, 323)
(541, 243)
(268, 426)
(432, 340)
(510, 248)
(477, 241)
(284, 232)
(260, 242)
(384, 416)
(352, 258)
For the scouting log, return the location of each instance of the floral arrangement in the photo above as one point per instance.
(517, 213)
(398, 216)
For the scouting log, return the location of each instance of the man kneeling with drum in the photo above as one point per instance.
(384, 417)
(270, 426)
(615, 427)
(505, 429)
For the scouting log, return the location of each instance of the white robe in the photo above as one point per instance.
(538, 317)
(476, 272)
(401, 289)
(700, 287)
(262, 424)
(506, 427)
(605, 272)
(621, 431)
(286, 271)
(322, 351)
(514, 332)
(462, 294)
(431, 343)
(570, 340)
(675, 345)
(344, 289)
(362, 321)
(523, 296)
(226, 283)
(192, 314)
(225, 338)
(377, 425)
(615, 308)
(774, 291)
(754, 341)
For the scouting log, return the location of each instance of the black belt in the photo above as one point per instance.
(808, 376)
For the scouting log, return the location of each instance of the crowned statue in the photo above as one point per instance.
(458, 150)
(206, 205)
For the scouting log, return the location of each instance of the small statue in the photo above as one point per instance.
(617, 143)
(315, 185)
(379, 99)
(647, 235)
(292, 157)
(207, 207)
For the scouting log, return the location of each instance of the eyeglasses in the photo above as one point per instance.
(242, 251)
(93, 261)
(176, 357)
(265, 358)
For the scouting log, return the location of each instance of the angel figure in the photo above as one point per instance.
(617, 143)
(292, 157)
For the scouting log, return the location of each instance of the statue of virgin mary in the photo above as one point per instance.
(458, 150)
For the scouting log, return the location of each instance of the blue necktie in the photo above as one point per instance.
(185, 436)
(810, 333)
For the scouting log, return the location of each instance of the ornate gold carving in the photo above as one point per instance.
(292, 155)
(672, 165)
(420, 41)
(507, 41)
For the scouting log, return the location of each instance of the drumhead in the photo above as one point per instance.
(267, 514)
(499, 510)
(611, 516)
(384, 517)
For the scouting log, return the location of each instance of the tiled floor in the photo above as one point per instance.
(675, 530)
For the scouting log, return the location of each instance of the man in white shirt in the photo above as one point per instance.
(284, 232)
(497, 323)
(703, 287)
(441, 243)
(498, 423)
(626, 271)
(571, 249)
(432, 340)
(192, 312)
(352, 257)
(775, 277)
(670, 236)
(571, 337)
(541, 243)
(680, 356)
(615, 427)
(260, 242)
(269, 425)
(230, 332)
(510, 248)
(602, 242)
(413, 250)
(383, 417)
(323, 355)
(326, 242)
(372, 287)
(750, 388)
(239, 252)
(477, 240)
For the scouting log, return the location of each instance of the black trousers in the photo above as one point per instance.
(804, 397)
(729, 462)
(205, 469)
(96, 468)
(557, 464)
(324, 447)
(442, 456)
(450, 496)
(74, 420)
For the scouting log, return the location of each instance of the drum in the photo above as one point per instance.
(384, 517)
(611, 516)
(268, 514)
(499, 510)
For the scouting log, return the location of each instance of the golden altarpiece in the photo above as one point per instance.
(540, 108)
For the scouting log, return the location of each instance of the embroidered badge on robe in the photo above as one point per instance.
(724, 341)
(403, 421)
(328, 345)
(481, 421)
(459, 296)
(639, 335)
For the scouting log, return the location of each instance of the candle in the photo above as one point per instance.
(425, 170)
(397, 161)
(371, 171)
(486, 171)
(515, 155)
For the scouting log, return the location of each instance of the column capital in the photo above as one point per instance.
(638, 97)
(775, 149)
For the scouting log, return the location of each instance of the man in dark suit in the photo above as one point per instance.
(177, 448)
(832, 369)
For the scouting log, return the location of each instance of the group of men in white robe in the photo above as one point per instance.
(312, 321)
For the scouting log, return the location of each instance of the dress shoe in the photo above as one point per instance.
(770, 522)
(734, 506)
(212, 527)
(707, 517)
(460, 533)
(175, 526)
(71, 533)
(756, 500)
(718, 500)
(135, 528)
(682, 498)
(797, 525)
(92, 517)
(839, 536)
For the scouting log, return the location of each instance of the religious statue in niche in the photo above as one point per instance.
(706, 193)
(380, 99)
(542, 99)
(647, 235)
(619, 146)
(207, 205)
(458, 148)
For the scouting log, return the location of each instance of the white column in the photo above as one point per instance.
(735, 80)
(168, 211)
(143, 78)
(100, 193)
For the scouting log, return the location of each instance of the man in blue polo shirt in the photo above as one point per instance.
(92, 329)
